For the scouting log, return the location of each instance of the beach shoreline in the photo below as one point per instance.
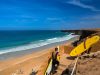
(16, 54)
(31, 60)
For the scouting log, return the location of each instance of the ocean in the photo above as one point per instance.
(14, 40)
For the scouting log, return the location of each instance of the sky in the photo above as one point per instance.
(49, 14)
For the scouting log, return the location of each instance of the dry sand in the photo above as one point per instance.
(24, 64)
(89, 66)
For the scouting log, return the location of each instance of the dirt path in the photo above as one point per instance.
(64, 64)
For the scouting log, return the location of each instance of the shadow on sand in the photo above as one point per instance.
(34, 73)
(71, 58)
(68, 70)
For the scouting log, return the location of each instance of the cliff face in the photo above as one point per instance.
(83, 33)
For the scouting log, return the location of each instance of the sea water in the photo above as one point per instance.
(14, 40)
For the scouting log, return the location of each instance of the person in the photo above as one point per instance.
(56, 58)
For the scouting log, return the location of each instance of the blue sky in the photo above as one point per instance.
(49, 14)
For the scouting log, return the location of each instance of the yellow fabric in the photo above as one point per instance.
(80, 48)
(58, 57)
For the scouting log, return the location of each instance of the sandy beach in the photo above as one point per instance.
(34, 61)
(25, 63)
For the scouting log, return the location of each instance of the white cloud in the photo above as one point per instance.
(80, 4)
(92, 18)
(92, 21)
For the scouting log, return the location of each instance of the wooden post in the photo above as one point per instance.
(74, 66)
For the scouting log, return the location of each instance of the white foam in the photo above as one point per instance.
(38, 44)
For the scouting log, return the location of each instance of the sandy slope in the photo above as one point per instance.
(89, 66)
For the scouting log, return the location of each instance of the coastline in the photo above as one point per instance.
(11, 55)
(37, 61)
(31, 60)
